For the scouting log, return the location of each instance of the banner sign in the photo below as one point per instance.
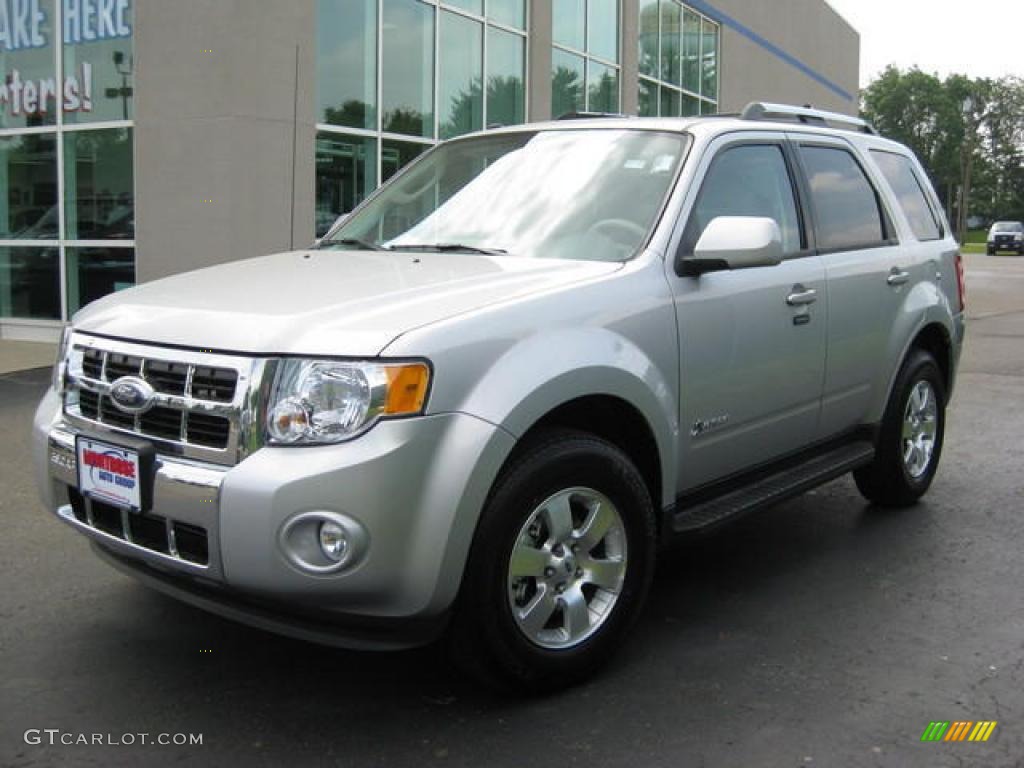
(24, 26)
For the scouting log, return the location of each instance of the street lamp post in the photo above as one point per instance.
(125, 92)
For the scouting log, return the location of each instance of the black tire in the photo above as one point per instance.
(485, 640)
(990, 251)
(887, 481)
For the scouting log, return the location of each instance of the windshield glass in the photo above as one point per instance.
(1008, 226)
(566, 194)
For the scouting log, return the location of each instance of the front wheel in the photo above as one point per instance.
(560, 565)
(910, 442)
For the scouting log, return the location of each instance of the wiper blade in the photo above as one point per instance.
(353, 241)
(447, 248)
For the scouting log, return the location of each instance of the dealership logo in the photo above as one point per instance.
(958, 730)
(23, 23)
(132, 395)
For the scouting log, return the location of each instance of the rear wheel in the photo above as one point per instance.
(910, 442)
(560, 566)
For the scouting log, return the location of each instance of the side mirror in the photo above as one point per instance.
(735, 242)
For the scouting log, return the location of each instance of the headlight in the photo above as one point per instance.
(320, 401)
(1019, 236)
(59, 367)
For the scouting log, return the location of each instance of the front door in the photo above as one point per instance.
(751, 341)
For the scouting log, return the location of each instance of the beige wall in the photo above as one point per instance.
(221, 126)
(808, 30)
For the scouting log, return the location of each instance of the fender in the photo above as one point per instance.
(547, 370)
(924, 305)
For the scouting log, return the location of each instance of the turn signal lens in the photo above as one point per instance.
(407, 388)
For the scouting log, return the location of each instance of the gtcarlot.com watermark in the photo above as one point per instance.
(55, 737)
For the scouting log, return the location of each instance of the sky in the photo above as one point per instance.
(938, 36)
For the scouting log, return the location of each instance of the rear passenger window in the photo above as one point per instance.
(748, 180)
(911, 195)
(846, 209)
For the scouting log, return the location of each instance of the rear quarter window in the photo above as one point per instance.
(910, 194)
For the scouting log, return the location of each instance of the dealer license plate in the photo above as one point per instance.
(110, 473)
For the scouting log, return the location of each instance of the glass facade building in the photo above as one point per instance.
(67, 222)
(396, 76)
(233, 129)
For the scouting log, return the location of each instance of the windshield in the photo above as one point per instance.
(566, 194)
(1008, 226)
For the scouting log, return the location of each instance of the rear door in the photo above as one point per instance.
(751, 341)
(867, 272)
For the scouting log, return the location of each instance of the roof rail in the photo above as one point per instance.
(757, 110)
(590, 115)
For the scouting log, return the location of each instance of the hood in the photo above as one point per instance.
(342, 303)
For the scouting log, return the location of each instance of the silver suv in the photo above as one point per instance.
(481, 404)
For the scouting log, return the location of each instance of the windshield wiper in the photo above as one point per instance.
(354, 241)
(447, 248)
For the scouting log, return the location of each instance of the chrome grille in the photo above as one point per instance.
(201, 404)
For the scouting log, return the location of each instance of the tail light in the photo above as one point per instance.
(961, 284)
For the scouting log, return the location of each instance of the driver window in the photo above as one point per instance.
(747, 180)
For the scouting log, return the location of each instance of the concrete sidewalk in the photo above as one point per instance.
(25, 355)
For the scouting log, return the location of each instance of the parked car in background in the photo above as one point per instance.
(1006, 236)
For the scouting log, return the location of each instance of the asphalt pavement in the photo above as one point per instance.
(820, 633)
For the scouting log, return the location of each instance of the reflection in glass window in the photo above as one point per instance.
(649, 38)
(679, 54)
(473, 6)
(30, 283)
(709, 60)
(98, 185)
(29, 92)
(28, 171)
(846, 209)
(347, 63)
(569, 23)
(585, 68)
(603, 87)
(671, 30)
(691, 51)
(567, 78)
(749, 180)
(648, 99)
(101, 62)
(397, 154)
(603, 29)
(506, 91)
(408, 76)
(460, 91)
(346, 172)
(509, 12)
(898, 171)
(95, 272)
(587, 194)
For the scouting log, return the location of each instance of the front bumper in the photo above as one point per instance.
(416, 486)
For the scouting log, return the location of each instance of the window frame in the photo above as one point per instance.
(685, 250)
(890, 237)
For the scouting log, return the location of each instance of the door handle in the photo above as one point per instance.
(898, 276)
(801, 297)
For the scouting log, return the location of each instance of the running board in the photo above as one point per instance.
(774, 488)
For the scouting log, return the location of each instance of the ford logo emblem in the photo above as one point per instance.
(132, 395)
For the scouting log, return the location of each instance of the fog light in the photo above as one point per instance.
(323, 543)
(333, 541)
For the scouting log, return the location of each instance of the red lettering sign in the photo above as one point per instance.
(109, 463)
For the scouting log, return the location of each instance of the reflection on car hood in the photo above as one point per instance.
(321, 302)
